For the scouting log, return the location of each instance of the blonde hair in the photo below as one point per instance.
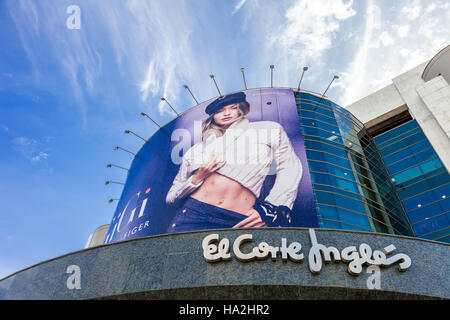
(211, 128)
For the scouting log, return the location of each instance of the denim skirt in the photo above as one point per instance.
(197, 215)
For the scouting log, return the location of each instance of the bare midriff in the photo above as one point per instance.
(223, 192)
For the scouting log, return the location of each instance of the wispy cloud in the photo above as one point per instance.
(412, 11)
(394, 43)
(352, 80)
(30, 148)
(40, 157)
(310, 26)
(238, 6)
(42, 30)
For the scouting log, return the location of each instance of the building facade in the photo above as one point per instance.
(377, 172)
(351, 184)
(410, 123)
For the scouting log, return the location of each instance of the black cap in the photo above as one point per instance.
(223, 101)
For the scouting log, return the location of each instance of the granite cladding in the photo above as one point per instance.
(173, 267)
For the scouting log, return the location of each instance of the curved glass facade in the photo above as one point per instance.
(421, 180)
(352, 187)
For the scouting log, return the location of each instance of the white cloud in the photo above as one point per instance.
(41, 156)
(431, 7)
(150, 84)
(406, 44)
(310, 27)
(402, 31)
(30, 148)
(428, 27)
(353, 80)
(386, 38)
(413, 11)
(24, 141)
(238, 6)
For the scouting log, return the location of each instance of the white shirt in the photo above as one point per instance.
(250, 149)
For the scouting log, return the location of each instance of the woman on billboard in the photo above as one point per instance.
(220, 177)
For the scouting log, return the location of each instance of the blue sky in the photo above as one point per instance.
(67, 95)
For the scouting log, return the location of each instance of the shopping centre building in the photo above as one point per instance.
(355, 199)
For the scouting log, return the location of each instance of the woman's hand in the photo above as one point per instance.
(206, 169)
(252, 221)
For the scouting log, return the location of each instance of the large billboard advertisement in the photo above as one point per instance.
(237, 161)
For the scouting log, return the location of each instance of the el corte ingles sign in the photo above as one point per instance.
(215, 250)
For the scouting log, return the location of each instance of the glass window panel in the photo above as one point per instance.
(331, 224)
(315, 155)
(321, 133)
(438, 234)
(409, 191)
(320, 178)
(431, 225)
(399, 166)
(397, 156)
(407, 174)
(336, 160)
(419, 201)
(337, 190)
(324, 141)
(442, 192)
(419, 146)
(425, 155)
(445, 204)
(438, 179)
(435, 177)
(341, 172)
(318, 166)
(425, 212)
(326, 167)
(443, 239)
(327, 148)
(336, 151)
(351, 204)
(400, 228)
(403, 143)
(396, 132)
(402, 136)
(325, 198)
(354, 218)
(430, 165)
(341, 201)
(344, 184)
(328, 212)
(320, 124)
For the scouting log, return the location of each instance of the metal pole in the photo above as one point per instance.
(109, 181)
(191, 93)
(146, 115)
(164, 99)
(129, 131)
(117, 148)
(114, 165)
(243, 76)
(212, 77)
(271, 75)
(304, 69)
(323, 95)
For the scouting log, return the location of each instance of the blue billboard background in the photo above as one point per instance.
(142, 210)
